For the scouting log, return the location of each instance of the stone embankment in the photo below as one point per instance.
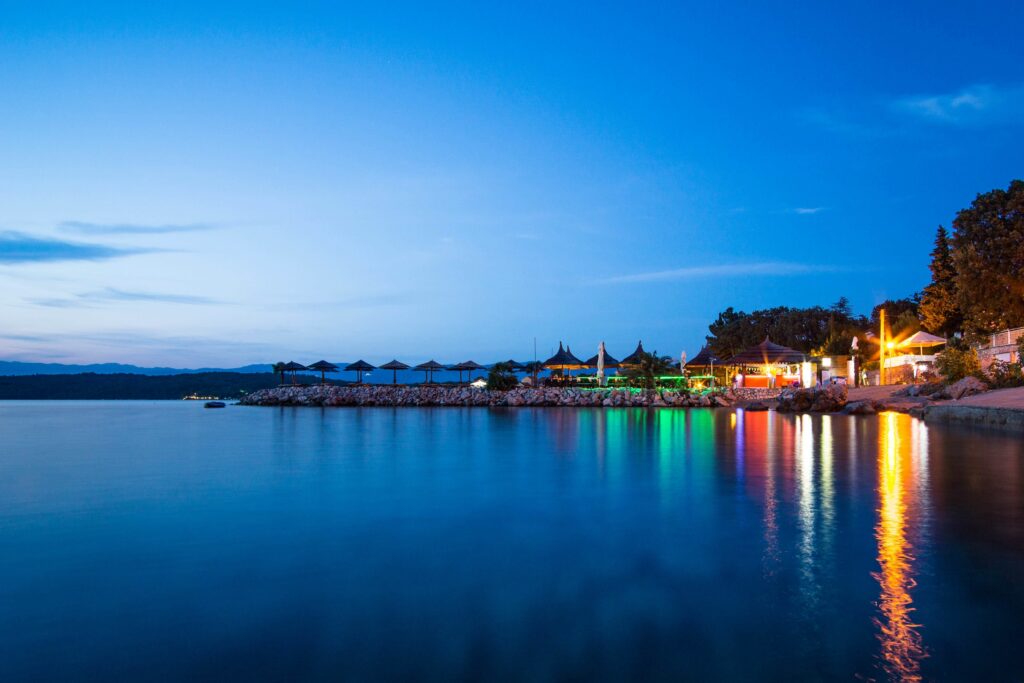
(1000, 409)
(390, 395)
(965, 402)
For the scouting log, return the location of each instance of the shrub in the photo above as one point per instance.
(1002, 375)
(501, 378)
(957, 362)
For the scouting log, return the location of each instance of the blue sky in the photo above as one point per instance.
(192, 185)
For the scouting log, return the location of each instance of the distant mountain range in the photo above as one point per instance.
(19, 369)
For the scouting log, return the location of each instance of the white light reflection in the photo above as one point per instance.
(805, 506)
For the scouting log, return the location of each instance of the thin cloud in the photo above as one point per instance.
(765, 269)
(17, 247)
(975, 105)
(113, 295)
(58, 303)
(85, 228)
(808, 210)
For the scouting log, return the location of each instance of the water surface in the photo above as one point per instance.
(162, 540)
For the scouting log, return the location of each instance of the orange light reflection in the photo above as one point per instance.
(902, 648)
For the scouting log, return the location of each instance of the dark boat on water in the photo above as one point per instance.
(214, 404)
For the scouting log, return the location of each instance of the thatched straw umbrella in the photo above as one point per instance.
(634, 358)
(394, 366)
(564, 360)
(609, 361)
(359, 367)
(293, 367)
(428, 369)
(467, 366)
(323, 366)
(515, 366)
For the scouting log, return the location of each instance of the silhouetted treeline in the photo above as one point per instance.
(123, 386)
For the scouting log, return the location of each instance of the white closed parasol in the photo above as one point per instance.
(600, 364)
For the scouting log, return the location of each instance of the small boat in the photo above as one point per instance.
(214, 404)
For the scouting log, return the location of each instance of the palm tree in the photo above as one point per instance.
(501, 377)
(648, 368)
(534, 367)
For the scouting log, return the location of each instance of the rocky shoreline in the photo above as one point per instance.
(412, 396)
(934, 404)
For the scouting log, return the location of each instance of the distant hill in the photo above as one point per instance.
(133, 386)
(17, 368)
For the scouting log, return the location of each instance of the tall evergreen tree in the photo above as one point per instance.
(940, 305)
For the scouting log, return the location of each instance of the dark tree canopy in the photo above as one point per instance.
(901, 315)
(988, 256)
(812, 330)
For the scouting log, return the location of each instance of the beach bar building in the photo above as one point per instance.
(701, 369)
(771, 365)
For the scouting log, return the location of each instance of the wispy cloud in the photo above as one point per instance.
(764, 269)
(113, 295)
(17, 247)
(56, 302)
(975, 105)
(85, 228)
(808, 210)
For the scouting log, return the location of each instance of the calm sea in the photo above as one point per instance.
(144, 541)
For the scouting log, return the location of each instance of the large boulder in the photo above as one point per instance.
(827, 399)
(860, 408)
(968, 386)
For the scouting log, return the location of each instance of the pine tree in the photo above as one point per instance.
(940, 308)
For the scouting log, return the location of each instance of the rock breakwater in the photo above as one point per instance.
(390, 395)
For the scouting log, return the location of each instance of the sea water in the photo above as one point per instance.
(143, 541)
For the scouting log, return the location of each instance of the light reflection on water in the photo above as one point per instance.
(482, 544)
(900, 494)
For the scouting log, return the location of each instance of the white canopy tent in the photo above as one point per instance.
(919, 340)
